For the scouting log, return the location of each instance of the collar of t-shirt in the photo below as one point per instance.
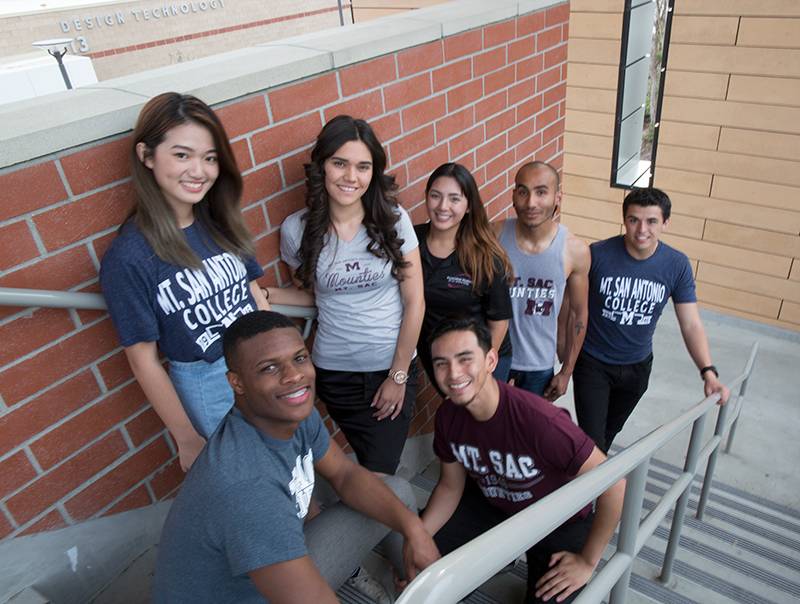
(433, 261)
(273, 443)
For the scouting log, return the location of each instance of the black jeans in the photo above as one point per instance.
(606, 395)
(348, 398)
(475, 515)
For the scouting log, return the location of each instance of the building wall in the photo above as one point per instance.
(78, 440)
(365, 10)
(728, 152)
(127, 37)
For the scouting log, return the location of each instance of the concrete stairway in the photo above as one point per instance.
(746, 549)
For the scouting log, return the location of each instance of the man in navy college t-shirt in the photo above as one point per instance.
(502, 449)
(236, 531)
(631, 278)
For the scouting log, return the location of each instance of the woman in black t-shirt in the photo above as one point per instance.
(465, 269)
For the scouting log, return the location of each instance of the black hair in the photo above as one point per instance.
(463, 323)
(248, 326)
(379, 200)
(479, 251)
(649, 196)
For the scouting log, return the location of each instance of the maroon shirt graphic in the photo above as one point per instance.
(527, 450)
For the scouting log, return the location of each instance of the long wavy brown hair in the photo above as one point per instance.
(219, 210)
(379, 200)
(479, 252)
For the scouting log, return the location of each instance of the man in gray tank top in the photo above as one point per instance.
(548, 261)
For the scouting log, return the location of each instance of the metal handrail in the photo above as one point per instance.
(466, 568)
(42, 298)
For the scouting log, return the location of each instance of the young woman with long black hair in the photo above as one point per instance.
(354, 250)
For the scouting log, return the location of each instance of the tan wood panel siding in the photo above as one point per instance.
(744, 214)
(681, 180)
(592, 188)
(756, 192)
(735, 59)
(694, 84)
(590, 122)
(782, 33)
(728, 255)
(597, 6)
(753, 239)
(795, 274)
(688, 135)
(755, 282)
(589, 228)
(711, 30)
(729, 145)
(735, 8)
(765, 144)
(591, 99)
(583, 165)
(727, 113)
(730, 164)
(594, 76)
(583, 25)
(729, 297)
(762, 90)
(790, 312)
(603, 52)
(590, 144)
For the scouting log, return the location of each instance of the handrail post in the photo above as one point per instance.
(680, 508)
(711, 466)
(629, 525)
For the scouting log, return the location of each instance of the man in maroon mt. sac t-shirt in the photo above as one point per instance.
(502, 449)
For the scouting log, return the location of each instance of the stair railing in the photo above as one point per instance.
(465, 569)
(40, 298)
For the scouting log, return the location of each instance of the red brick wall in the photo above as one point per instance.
(77, 437)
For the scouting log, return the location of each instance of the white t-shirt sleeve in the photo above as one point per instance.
(405, 230)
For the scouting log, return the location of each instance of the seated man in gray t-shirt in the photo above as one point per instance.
(235, 532)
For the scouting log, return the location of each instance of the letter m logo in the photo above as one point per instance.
(626, 318)
(355, 266)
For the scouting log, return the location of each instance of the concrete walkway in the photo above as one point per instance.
(766, 449)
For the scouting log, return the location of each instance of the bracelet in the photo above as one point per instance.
(708, 368)
(265, 291)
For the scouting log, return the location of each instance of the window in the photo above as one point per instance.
(643, 60)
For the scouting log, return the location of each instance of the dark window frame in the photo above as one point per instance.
(618, 117)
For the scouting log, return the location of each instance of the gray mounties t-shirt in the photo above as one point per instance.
(241, 507)
(359, 303)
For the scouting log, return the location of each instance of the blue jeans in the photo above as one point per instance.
(500, 372)
(532, 381)
(204, 391)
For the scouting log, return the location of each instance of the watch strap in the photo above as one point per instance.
(708, 368)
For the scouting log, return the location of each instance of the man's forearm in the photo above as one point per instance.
(443, 502)
(607, 514)
(576, 332)
(363, 491)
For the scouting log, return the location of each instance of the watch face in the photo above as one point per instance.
(400, 377)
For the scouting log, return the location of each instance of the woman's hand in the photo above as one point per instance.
(189, 449)
(388, 400)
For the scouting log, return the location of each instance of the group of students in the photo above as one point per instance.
(476, 302)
